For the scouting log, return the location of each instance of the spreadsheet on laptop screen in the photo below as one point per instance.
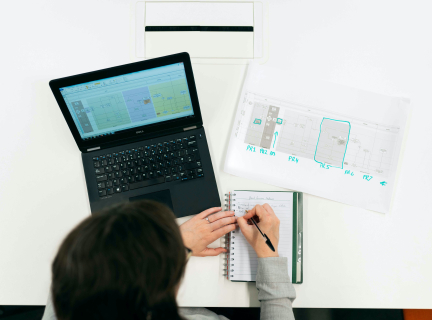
(106, 106)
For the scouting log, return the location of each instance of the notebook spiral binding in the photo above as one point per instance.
(229, 239)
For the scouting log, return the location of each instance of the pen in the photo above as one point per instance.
(268, 242)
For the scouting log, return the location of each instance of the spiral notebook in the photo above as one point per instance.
(241, 261)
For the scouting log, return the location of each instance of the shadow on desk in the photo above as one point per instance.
(36, 313)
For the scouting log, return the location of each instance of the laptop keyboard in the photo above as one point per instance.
(164, 162)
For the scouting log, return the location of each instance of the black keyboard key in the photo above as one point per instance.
(191, 172)
(108, 169)
(130, 179)
(99, 170)
(102, 193)
(193, 165)
(146, 183)
(192, 138)
(192, 176)
(167, 178)
(116, 182)
(96, 164)
(138, 177)
(117, 189)
(151, 175)
(178, 140)
(125, 187)
(159, 173)
(104, 162)
(118, 174)
(185, 178)
(166, 171)
(102, 177)
(109, 183)
(190, 159)
(175, 177)
(200, 175)
(110, 191)
(199, 170)
(192, 144)
(101, 185)
(182, 174)
(116, 167)
(96, 158)
(110, 176)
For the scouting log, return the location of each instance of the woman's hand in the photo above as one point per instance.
(199, 232)
(269, 225)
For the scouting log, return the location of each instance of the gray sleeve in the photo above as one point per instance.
(275, 290)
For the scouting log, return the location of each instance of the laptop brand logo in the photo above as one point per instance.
(141, 131)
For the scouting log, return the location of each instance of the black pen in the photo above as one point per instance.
(265, 236)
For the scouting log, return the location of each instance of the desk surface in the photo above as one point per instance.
(353, 258)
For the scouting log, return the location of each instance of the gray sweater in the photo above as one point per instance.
(275, 292)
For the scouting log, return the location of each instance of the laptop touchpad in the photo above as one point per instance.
(163, 196)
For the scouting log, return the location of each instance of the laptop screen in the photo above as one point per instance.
(107, 106)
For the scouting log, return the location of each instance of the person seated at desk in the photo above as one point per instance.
(127, 262)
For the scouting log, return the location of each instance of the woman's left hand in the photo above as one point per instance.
(205, 228)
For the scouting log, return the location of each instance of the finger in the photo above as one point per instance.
(258, 210)
(221, 232)
(250, 213)
(210, 252)
(220, 215)
(243, 225)
(208, 212)
(269, 209)
(222, 222)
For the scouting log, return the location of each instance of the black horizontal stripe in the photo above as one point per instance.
(198, 28)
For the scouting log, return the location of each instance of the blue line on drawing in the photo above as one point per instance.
(346, 146)
(275, 134)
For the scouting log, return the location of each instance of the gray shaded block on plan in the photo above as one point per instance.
(269, 127)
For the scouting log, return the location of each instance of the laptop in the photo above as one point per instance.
(141, 136)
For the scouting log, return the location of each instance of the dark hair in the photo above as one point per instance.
(125, 262)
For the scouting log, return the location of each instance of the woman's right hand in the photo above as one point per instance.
(269, 225)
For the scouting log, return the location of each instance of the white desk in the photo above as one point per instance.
(353, 258)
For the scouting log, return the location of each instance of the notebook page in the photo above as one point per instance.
(245, 263)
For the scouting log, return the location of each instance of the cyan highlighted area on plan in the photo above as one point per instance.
(332, 142)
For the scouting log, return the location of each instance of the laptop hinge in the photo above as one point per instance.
(93, 149)
(189, 128)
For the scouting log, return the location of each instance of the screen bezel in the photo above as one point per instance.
(140, 132)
